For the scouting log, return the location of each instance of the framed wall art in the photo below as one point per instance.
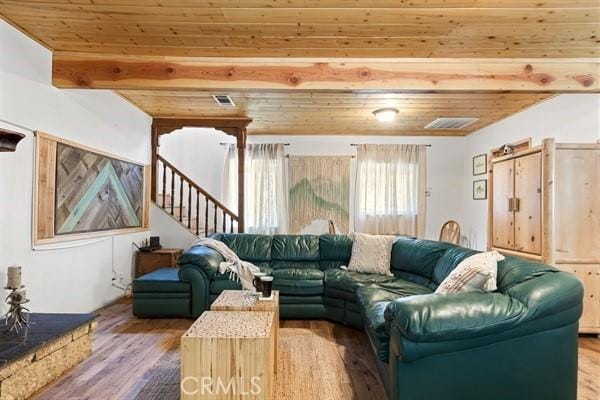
(480, 164)
(480, 189)
(82, 193)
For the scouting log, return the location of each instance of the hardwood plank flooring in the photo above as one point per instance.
(138, 359)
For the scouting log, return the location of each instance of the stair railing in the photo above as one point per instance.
(189, 200)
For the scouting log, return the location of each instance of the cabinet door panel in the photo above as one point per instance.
(528, 203)
(577, 204)
(503, 219)
(589, 274)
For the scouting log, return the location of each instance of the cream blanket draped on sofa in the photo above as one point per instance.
(240, 270)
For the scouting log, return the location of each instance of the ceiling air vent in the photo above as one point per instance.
(450, 123)
(223, 100)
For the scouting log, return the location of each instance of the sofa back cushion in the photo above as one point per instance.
(295, 251)
(448, 262)
(335, 250)
(249, 247)
(513, 271)
(415, 260)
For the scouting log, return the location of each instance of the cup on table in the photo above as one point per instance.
(256, 282)
(267, 285)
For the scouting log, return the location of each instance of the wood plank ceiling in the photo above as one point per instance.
(301, 113)
(384, 29)
(314, 28)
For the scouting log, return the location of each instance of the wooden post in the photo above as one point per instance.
(490, 202)
(154, 162)
(241, 151)
(548, 201)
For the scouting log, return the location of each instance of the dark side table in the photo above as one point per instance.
(150, 261)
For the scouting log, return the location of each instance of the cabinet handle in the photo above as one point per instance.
(517, 204)
(510, 204)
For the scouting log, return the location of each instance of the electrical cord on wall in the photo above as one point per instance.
(117, 280)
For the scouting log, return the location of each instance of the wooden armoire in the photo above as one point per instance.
(544, 204)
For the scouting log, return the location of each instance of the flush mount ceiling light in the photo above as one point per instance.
(385, 114)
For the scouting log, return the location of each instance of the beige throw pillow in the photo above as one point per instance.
(476, 273)
(371, 253)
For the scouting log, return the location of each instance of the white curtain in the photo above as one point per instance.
(230, 178)
(390, 189)
(264, 185)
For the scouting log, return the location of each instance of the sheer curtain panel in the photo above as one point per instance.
(390, 189)
(264, 184)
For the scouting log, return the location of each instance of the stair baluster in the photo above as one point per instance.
(215, 221)
(197, 213)
(189, 214)
(180, 199)
(205, 216)
(164, 185)
(172, 192)
(187, 218)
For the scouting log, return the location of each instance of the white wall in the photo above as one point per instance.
(205, 164)
(571, 118)
(172, 234)
(197, 153)
(444, 168)
(74, 279)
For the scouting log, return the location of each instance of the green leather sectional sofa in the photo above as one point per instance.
(519, 343)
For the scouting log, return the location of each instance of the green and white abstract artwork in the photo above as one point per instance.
(319, 192)
(95, 192)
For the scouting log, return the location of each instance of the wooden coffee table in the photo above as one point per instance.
(229, 355)
(244, 300)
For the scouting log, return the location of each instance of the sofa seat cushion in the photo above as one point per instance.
(164, 280)
(348, 281)
(373, 300)
(298, 281)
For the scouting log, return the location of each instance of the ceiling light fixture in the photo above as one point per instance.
(385, 114)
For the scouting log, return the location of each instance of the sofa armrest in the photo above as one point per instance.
(434, 317)
(202, 257)
(200, 288)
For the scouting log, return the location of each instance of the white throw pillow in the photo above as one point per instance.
(371, 253)
(475, 273)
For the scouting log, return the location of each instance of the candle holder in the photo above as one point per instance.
(17, 316)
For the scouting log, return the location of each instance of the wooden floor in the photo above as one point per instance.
(139, 359)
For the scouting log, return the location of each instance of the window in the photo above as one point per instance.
(390, 186)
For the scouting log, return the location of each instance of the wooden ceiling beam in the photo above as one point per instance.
(472, 75)
(230, 125)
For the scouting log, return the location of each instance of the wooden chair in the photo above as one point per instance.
(331, 227)
(450, 232)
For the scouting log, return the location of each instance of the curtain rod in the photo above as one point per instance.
(355, 144)
(226, 144)
(328, 155)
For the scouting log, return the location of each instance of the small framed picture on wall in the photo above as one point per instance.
(480, 164)
(480, 189)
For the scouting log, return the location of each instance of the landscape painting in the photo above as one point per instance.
(319, 193)
(96, 192)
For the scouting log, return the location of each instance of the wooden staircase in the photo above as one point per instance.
(189, 204)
